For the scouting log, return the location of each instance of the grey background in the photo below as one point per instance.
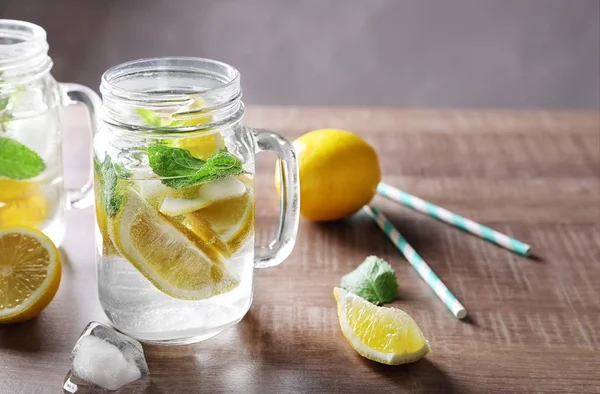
(418, 53)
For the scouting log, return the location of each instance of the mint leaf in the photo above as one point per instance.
(374, 280)
(150, 117)
(218, 166)
(18, 161)
(111, 196)
(184, 170)
(122, 171)
(172, 162)
(5, 117)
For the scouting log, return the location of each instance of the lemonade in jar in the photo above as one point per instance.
(31, 172)
(175, 206)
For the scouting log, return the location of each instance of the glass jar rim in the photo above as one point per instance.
(180, 90)
(121, 71)
(26, 57)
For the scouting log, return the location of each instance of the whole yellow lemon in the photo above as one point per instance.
(339, 173)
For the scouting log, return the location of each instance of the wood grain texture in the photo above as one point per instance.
(534, 324)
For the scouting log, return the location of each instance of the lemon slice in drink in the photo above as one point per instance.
(153, 191)
(29, 273)
(16, 190)
(229, 222)
(386, 335)
(203, 146)
(30, 211)
(190, 199)
(176, 261)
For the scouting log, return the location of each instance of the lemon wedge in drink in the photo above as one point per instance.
(190, 199)
(176, 261)
(30, 271)
(30, 211)
(202, 146)
(15, 190)
(226, 223)
(153, 191)
(386, 335)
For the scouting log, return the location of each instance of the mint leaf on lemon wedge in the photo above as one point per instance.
(374, 280)
(18, 161)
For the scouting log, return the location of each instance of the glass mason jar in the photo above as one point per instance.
(174, 184)
(31, 172)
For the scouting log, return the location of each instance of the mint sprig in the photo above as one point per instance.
(3, 103)
(110, 193)
(181, 169)
(18, 161)
(374, 280)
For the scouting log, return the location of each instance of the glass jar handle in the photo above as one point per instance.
(75, 93)
(289, 216)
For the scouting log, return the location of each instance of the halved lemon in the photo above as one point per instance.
(190, 199)
(30, 271)
(178, 263)
(228, 222)
(386, 335)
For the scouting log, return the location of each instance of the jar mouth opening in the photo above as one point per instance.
(171, 94)
(23, 51)
(19, 39)
(211, 78)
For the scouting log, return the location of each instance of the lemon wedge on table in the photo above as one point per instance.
(177, 262)
(30, 272)
(386, 335)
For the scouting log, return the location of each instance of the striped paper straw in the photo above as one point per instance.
(418, 263)
(451, 218)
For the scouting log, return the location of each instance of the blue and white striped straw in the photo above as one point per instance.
(451, 218)
(418, 263)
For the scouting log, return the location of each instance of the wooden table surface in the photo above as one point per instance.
(534, 324)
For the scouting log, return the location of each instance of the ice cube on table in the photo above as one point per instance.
(104, 359)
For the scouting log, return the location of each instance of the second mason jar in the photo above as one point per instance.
(174, 184)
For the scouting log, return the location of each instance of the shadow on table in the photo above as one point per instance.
(67, 265)
(361, 235)
(25, 337)
(421, 376)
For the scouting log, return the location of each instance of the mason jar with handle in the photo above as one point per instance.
(175, 199)
(31, 172)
